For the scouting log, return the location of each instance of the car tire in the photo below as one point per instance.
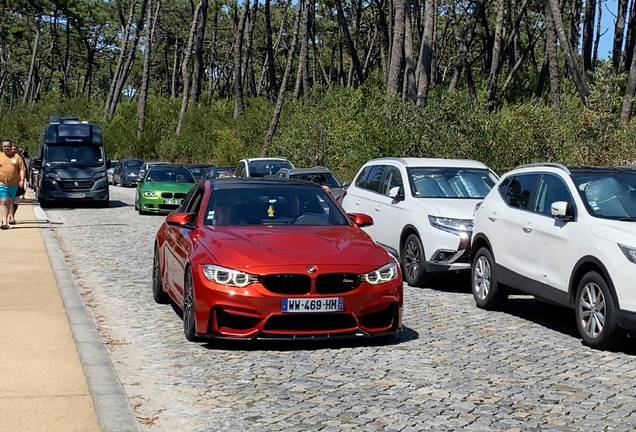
(594, 302)
(158, 294)
(487, 293)
(189, 318)
(412, 262)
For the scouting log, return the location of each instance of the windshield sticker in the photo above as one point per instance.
(272, 201)
(270, 211)
(211, 215)
(594, 205)
(73, 160)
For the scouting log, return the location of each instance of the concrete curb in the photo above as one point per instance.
(111, 403)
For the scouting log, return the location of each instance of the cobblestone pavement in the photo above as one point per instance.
(455, 366)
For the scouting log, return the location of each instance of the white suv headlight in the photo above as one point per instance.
(630, 253)
(450, 224)
(229, 277)
(386, 273)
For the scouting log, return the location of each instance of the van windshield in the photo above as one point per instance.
(76, 155)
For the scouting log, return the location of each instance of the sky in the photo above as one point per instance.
(607, 25)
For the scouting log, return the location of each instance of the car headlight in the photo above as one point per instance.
(150, 194)
(52, 175)
(386, 273)
(630, 253)
(99, 175)
(229, 277)
(450, 224)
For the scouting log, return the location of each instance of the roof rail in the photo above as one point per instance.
(54, 118)
(545, 164)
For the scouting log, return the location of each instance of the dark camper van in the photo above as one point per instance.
(72, 163)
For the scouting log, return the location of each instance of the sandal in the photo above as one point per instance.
(12, 222)
(4, 227)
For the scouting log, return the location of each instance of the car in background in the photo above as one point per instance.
(266, 259)
(261, 167)
(423, 210)
(318, 175)
(219, 172)
(146, 165)
(163, 188)
(199, 170)
(127, 172)
(109, 171)
(565, 235)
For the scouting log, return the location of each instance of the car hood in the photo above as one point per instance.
(167, 186)
(622, 232)
(67, 172)
(264, 246)
(451, 208)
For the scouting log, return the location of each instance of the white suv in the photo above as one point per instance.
(566, 235)
(422, 210)
(261, 167)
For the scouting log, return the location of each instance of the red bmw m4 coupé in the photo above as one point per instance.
(274, 259)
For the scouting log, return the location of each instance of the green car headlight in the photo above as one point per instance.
(150, 194)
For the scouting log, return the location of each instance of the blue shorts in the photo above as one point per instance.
(8, 191)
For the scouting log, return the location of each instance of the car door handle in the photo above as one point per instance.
(358, 203)
(492, 217)
(527, 229)
(378, 209)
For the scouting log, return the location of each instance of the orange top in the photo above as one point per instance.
(10, 169)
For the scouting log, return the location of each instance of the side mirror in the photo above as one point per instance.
(109, 164)
(361, 220)
(37, 163)
(346, 185)
(396, 193)
(181, 220)
(559, 211)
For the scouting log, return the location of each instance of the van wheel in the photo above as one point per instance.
(596, 315)
(413, 262)
(487, 293)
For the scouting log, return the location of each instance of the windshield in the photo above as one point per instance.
(451, 182)
(263, 168)
(133, 164)
(77, 155)
(608, 195)
(323, 179)
(273, 205)
(169, 175)
(198, 172)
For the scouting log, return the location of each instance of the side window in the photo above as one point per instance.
(195, 203)
(186, 201)
(520, 190)
(360, 181)
(392, 178)
(503, 187)
(374, 178)
(280, 174)
(551, 189)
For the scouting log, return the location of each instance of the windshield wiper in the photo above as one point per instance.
(627, 219)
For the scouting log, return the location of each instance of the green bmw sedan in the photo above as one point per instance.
(163, 188)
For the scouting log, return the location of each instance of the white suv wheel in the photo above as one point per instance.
(481, 278)
(592, 310)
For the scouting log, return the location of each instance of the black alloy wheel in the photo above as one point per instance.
(189, 318)
(158, 294)
(413, 262)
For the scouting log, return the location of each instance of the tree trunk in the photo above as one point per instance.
(397, 51)
(423, 71)
(598, 33)
(409, 89)
(619, 32)
(185, 75)
(271, 68)
(145, 78)
(465, 44)
(67, 53)
(248, 71)
(212, 65)
(123, 47)
(175, 67)
(495, 66)
(626, 112)
(575, 22)
(353, 53)
(239, 105)
(303, 5)
(630, 42)
(283, 88)
(197, 73)
(34, 54)
(462, 47)
(303, 60)
(552, 58)
(570, 57)
(588, 34)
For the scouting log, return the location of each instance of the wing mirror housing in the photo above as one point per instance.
(396, 193)
(37, 163)
(181, 220)
(361, 220)
(560, 212)
(346, 185)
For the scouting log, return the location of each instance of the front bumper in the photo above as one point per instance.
(156, 205)
(254, 313)
(51, 190)
(450, 257)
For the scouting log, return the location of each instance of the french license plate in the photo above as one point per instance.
(173, 202)
(304, 305)
(77, 195)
